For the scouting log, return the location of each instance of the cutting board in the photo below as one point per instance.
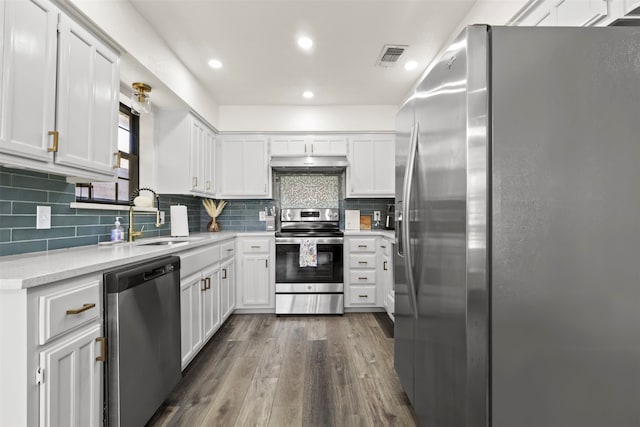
(365, 222)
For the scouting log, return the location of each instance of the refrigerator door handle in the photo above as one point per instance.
(406, 219)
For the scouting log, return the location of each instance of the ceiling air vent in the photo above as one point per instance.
(390, 55)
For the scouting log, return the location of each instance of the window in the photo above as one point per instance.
(118, 192)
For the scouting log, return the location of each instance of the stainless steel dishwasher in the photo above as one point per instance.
(142, 324)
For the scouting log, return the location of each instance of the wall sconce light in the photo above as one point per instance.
(140, 103)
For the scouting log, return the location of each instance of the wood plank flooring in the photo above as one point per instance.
(263, 370)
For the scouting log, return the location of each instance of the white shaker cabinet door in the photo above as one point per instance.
(28, 39)
(70, 394)
(87, 108)
(227, 288)
(244, 167)
(191, 317)
(329, 145)
(371, 171)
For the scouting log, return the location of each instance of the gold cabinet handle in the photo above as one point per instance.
(194, 182)
(208, 185)
(225, 273)
(85, 307)
(362, 246)
(103, 350)
(208, 279)
(363, 296)
(384, 265)
(118, 159)
(362, 278)
(203, 284)
(255, 247)
(55, 134)
(363, 262)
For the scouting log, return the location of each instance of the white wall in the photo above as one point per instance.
(273, 118)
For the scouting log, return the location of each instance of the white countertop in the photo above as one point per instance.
(390, 234)
(38, 268)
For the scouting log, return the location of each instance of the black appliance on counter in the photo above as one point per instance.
(390, 217)
(307, 289)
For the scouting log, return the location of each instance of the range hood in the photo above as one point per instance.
(309, 164)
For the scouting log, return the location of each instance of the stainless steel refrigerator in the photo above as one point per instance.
(518, 231)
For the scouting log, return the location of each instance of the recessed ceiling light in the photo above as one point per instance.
(307, 94)
(215, 64)
(305, 42)
(411, 65)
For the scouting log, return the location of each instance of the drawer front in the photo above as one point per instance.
(228, 249)
(365, 295)
(198, 259)
(255, 246)
(64, 311)
(362, 261)
(362, 277)
(385, 247)
(362, 245)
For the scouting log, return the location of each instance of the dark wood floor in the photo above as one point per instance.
(263, 370)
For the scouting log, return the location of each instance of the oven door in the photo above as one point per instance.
(290, 277)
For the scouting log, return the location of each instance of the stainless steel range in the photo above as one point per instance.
(309, 262)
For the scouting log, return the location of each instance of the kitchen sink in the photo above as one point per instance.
(167, 241)
(162, 242)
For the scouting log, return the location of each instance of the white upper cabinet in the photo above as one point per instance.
(88, 100)
(185, 154)
(631, 5)
(243, 167)
(282, 146)
(569, 13)
(371, 171)
(308, 145)
(59, 89)
(28, 85)
(330, 145)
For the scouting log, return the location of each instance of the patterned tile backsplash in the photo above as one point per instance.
(310, 191)
(22, 191)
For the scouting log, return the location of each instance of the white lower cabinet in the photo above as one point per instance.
(361, 288)
(51, 356)
(191, 317)
(207, 295)
(211, 304)
(256, 276)
(369, 272)
(385, 270)
(227, 288)
(71, 381)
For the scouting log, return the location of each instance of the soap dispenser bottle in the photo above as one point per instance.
(117, 233)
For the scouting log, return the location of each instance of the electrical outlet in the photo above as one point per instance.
(43, 217)
(262, 216)
(376, 215)
(161, 217)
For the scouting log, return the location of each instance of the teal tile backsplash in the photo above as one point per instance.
(22, 191)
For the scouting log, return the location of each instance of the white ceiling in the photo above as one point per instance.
(256, 41)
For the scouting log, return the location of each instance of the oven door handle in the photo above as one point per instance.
(318, 240)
